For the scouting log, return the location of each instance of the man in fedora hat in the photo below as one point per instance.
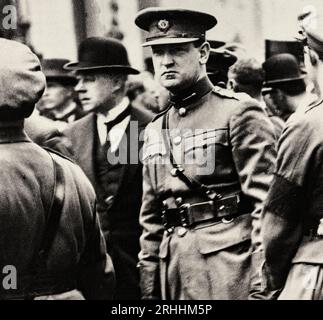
(219, 62)
(207, 163)
(285, 84)
(49, 228)
(111, 131)
(59, 101)
(292, 217)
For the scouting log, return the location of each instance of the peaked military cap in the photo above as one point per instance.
(315, 40)
(173, 25)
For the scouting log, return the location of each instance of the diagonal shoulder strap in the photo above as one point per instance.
(53, 217)
(55, 211)
(180, 171)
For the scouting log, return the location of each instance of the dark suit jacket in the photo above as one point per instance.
(120, 218)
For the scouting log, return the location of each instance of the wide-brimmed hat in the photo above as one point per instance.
(281, 68)
(102, 53)
(220, 57)
(54, 71)
(173, 25)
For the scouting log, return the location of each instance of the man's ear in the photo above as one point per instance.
(204, 52)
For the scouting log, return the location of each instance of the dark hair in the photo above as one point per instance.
(248, 75)
(133, 89)
(291, 88)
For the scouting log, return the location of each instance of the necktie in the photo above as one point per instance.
(124, 114)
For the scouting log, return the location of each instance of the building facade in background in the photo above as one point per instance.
(55, 28)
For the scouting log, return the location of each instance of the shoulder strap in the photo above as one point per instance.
(53, 217)
(189, 181)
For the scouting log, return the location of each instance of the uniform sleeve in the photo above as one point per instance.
(253, 148)
(282, 216)
(150, 239)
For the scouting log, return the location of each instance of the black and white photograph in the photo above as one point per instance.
(154, 151)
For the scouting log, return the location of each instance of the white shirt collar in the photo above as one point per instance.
(115, 134)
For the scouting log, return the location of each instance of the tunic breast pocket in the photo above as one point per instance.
(154, 152)
(207, 150)
(155, 157)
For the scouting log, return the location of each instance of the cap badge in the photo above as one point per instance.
(163, 25)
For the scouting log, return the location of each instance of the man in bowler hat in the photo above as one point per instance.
(292, 217)
(49, 228)
(285, 84)
(207, 164)
(106, 145)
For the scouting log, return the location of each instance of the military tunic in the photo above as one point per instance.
(292, 225)
(222, 140)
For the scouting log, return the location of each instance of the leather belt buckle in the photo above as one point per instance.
(185, 216)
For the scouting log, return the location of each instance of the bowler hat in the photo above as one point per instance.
(285, 46)
(102, 53)
(281, 68)
(173, 25)
(54, 71)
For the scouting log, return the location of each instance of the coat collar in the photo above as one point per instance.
(193, 94)
(12, 132)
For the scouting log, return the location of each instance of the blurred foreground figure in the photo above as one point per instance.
(293, 213)
(207, 163)
(49, 229)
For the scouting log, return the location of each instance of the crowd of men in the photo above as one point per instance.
(198, 179)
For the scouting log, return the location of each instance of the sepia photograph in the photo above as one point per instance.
(154, 151)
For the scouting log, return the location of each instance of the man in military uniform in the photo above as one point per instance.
(207, 164)
(49, 227)
(293, 218)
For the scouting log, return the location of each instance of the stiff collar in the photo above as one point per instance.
(193, 94)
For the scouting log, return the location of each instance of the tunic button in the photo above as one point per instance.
(109, 201)
(181, 232)
(182, 112)
(177, 140)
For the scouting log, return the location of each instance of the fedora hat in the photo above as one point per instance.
(173, 25)
(281, 68)
(102, 53)
(220, 57)
(54, 71)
